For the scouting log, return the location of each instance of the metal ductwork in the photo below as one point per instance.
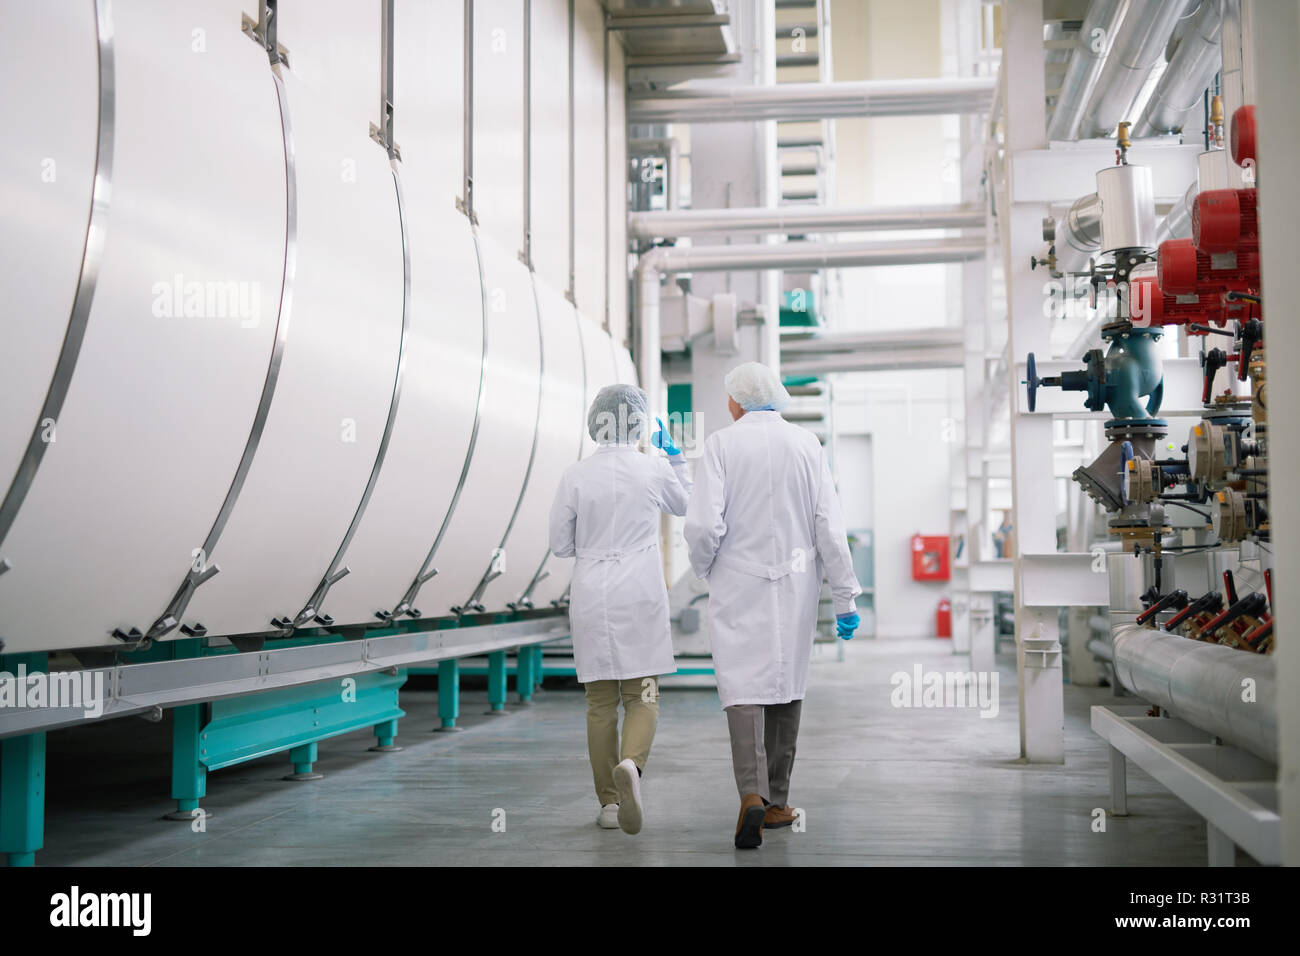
(1178, 223)
(804, 256)
(1177, 95)
(1138, 47)
(798, 220)
(1079, 237)
(1084, 66)
(812, 101)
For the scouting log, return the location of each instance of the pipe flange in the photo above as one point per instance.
(1128, 429)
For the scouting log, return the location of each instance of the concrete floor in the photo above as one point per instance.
(878, 785)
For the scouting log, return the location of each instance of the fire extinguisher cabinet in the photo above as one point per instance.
(929, 557)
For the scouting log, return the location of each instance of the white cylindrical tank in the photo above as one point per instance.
(303, 363)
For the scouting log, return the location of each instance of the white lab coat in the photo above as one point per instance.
(764, 526)
(606, 515)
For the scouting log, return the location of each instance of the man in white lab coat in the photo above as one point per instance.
(606, 516)
(763, 526)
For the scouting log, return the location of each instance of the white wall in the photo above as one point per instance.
(909, 417)
(885, 161)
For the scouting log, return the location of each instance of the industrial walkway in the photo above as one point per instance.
(878, 785)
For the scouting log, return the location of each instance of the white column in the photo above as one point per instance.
(1042, 707)
(1275, 48)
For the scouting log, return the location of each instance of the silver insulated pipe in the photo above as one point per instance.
(1178, 224)
(1138, 47)
(810, 101)
(1177, 96)
(1084, 66)
(1195, 681)
(1202, 684)
(1079, 237)
(800, 220)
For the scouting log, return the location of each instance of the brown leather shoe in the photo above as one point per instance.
(749, 828)
(777, 817)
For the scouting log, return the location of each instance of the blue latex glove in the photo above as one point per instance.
(661, 439)
(846, 624)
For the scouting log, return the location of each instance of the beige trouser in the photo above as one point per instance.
(640, 717)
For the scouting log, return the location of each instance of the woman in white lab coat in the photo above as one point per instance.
(763, 527)
(606, 517)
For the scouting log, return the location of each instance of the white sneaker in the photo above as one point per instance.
(628, 781)
(608, 817)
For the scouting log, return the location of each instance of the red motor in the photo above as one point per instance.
(1225, 220)
(1182, 270)
(1150, 305)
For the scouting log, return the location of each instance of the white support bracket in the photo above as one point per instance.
(1062, 580)
(1234, 791)
(1062, 175)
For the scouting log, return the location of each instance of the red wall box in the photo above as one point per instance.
(929, 557)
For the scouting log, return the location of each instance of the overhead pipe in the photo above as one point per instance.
(861, 341)
(801, 219)
(1138, 47)
(804, 256)
(1095, 36)
(808, 256)
(874, 361)
(813, 101)
(1178, 93)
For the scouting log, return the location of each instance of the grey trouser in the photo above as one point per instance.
(762, 748)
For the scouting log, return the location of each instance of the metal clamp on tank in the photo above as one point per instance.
(404, 605)
(495, 569)
(525, 600)
(312, 611)
(171, 617)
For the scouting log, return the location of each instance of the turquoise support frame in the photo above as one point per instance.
(386, 734)
(211, 735)
(497, 692)
(22, 780)
(234, 730)
(448, 694)
(524, 674)
(189, 775)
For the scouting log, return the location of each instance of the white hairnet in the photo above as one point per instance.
(754, 385)
(618, 414)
